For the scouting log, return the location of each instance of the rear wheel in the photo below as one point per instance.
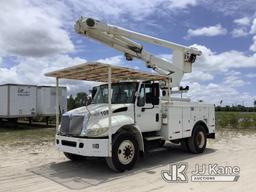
(197, 142)
(74, 157)
(124, 152)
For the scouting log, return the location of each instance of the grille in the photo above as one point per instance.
(71, 126)
(64, 127)
(76, 125)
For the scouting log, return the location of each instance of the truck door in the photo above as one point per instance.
(147, 110)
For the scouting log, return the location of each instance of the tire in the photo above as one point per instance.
(124, 153)
(74, 157)
(198, 141)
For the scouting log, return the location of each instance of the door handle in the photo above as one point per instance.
(157, 117)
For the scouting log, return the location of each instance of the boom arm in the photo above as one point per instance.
(121, 40)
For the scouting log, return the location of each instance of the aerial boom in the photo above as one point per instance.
(122, 40)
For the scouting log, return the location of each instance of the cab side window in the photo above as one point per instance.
(148, 92)
(141, 98)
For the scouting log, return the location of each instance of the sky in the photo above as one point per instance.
(37, 36)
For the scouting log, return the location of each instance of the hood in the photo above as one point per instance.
(77, 112)
(93, 120)
(93, 109)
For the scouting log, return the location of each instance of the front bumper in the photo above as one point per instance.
(91, 147)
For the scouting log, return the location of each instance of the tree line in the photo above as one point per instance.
(81, 99)
(237, 108)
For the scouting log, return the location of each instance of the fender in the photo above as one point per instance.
(203, 124)
(136, 130)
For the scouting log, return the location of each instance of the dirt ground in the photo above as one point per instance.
(39, 167)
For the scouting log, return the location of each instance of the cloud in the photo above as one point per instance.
(234, 81)
(245, 21)
(241, 29)
(215, 92)
(41, 28)
(29, 30)
(251, 75)
(119, 10)
(116, 60)
(239, 32)
(182, 3)
(230, 7)
(211, 66)
(207, 31)
(32, 70)
(122, 62)
(222, 62)
(197, 76)
(253, 46)
(253, 27)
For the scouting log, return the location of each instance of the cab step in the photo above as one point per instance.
(152, 138)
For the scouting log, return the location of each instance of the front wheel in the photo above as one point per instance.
(197, 142)
(124, 152)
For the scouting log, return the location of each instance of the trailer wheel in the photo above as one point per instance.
(74, 157)
(197, 142)
(124, 152)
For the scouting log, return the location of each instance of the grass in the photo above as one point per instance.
(20, 134)
(235, 120)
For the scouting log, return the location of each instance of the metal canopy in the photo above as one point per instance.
(95, 71)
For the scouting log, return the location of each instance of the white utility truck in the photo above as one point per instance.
(134, 110)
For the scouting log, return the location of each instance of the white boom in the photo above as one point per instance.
(121, 40)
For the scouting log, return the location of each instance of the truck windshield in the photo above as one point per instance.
(121, 93)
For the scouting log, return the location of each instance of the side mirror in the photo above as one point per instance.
(93, 91)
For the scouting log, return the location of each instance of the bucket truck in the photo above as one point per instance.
(134, 111)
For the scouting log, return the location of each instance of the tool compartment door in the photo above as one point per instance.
(175, 122)
(186, 121)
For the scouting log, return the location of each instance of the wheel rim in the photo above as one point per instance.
(200, 139)
(126, 152)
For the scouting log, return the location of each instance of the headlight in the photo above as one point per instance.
(96, 132)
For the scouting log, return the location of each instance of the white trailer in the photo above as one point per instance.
(17, 101)
(134, 110)
(46, 100)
